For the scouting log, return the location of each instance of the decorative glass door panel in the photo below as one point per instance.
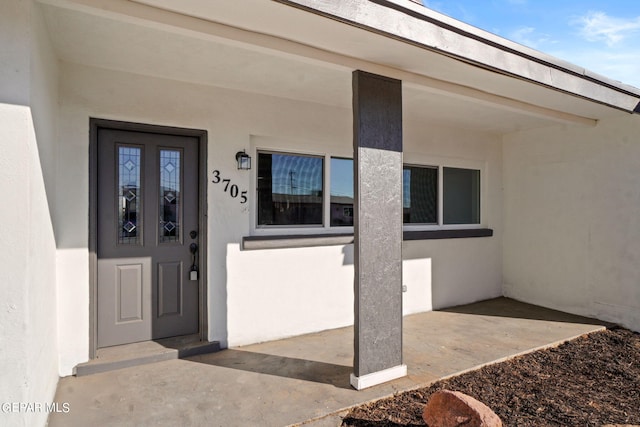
(129, 195)
(170, 196)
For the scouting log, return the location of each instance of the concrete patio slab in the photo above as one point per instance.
(305, 379)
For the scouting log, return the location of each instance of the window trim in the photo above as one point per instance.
(277, 146)
(441, 163)
(480, 213)
(336, 228)
(271, 145)
(281, 227)
(422, 225)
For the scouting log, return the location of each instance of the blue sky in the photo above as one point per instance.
(602, 36)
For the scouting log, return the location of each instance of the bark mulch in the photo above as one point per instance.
(590, 381)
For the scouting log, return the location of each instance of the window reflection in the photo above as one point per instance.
(341, 192)
(419, 195)
(290, 189)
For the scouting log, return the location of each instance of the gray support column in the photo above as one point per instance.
(377, 146)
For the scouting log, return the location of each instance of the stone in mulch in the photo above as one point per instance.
(447, 408)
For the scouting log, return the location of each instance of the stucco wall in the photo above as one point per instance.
(28, 100)
(461, 270)
(259, 294)
(572, 219)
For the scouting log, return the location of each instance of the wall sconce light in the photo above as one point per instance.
(244, 160)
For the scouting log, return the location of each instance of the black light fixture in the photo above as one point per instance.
(244, 160)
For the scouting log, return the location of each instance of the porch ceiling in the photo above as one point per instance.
(127, 36)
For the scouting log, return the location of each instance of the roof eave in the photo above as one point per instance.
(412, 23)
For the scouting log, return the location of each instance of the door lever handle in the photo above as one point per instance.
(193, 274)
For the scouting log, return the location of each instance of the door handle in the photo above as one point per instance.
(193, 273)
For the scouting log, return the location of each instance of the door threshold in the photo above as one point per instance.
(145, 352)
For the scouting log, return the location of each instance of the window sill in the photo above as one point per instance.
(462, 233)
(312, 240)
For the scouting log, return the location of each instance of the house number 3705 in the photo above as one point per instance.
(230, 188)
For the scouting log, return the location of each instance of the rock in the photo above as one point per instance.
(447, 408)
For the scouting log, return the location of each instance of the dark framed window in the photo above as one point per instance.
(461, 196)
(419, 195)
(290, 189)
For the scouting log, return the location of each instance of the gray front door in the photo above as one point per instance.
(147, 221)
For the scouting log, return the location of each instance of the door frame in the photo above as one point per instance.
(95, 124)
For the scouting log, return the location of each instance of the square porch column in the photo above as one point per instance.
(377, 146)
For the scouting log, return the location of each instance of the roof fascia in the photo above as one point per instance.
(415, 24)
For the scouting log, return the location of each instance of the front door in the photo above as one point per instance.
(147, 233)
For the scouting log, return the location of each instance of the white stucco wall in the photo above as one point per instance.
(572, 219)
(258, 295)
(461, 270)
(285, 292)
(28, 102)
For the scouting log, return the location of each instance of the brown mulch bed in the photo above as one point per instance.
(590, 381)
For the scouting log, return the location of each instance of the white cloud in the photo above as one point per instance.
(522, 35)
(528, 36)
(434, 5)
(619, 57)
(598, 26)
(623, 66)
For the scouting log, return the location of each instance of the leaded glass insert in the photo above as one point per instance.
(170, 203)
(129, 197)
(129, 226)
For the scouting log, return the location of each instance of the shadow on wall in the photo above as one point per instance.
(217, 298)
(416, 281)
(347, 255)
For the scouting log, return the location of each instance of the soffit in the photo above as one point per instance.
(104, 42)
(87, 35)
(370, 31)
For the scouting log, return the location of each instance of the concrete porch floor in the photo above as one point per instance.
(305, 379)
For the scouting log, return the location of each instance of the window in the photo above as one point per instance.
(291, 193)
(341, 201)
(290, 189)
(440, 196)
(419, 195)
(461, 191)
